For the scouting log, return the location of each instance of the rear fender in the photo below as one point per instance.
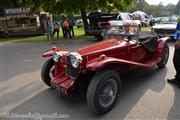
(50, 52)
(99, 63)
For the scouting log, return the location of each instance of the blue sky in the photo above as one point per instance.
(165, 2)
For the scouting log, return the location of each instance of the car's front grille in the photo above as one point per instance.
(70, 70)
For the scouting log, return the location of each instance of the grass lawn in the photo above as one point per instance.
(146, 28)
(79, 34)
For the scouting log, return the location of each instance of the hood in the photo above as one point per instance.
(103, 46)
(164, 26)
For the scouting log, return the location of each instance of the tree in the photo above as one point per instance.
(156, 10)
(177, 8)
(8, 3)
(73, 6)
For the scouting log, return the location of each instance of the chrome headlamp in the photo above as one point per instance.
(75, 58)
(56, 56)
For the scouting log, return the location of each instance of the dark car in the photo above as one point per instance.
(154, 21)
(97, 22)
(95, 69)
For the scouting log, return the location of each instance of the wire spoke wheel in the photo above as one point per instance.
(103, 91)
(108, 93)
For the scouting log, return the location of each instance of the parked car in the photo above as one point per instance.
(125, 29)
(154, 21)
(95, 69)
(97, 23)
(121, 23)
(127, 16)
(166, 27)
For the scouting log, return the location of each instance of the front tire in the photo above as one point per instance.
(103, 91)
(99, 37)
(47, 71)
(165, 57)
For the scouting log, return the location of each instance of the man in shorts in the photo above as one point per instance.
(176, 58)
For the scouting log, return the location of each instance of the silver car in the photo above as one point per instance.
(166, 27)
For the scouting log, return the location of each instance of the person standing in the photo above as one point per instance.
(62, 25)
(71, 24)
(56, 28)
(49, 28)
(67, 33)
(176, 58)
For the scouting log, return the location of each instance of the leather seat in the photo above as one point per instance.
(148, 40)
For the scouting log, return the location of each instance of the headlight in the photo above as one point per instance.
(76, 59)
(56, 56)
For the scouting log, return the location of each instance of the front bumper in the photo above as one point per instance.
(65, 76)
(63, 83)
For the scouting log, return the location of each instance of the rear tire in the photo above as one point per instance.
(164, 57)
(99, 37)
(139, 27)
(103, 91)
(46, 70)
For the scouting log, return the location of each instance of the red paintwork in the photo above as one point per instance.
(116, 50)
(50, 52)
(63, 82)
(98, 63)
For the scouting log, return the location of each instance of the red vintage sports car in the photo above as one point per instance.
(95, 69)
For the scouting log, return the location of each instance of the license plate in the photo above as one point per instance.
(57, 87)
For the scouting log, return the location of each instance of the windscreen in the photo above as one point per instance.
(168, 21)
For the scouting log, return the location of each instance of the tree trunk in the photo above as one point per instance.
(84, 18)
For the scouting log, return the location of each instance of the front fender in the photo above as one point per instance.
(99, 63)
(161, 44)
(50, 52)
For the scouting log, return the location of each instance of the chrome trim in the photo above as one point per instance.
(56, 56)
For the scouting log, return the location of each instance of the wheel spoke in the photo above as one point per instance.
(108, 93)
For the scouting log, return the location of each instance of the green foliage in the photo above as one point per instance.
(157, 10)
(8, 4)
(73, 6)
(79, 35)
(177, 8)
(69, 6)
